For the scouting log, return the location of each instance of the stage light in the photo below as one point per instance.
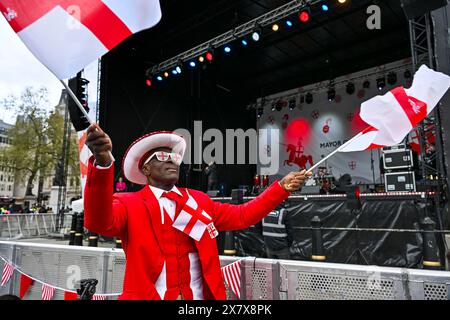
(366, 84)
(256, 36)
(179, 66)
(227, 49)
(407, 74)
(304, 16)
(201, 59)
(260, 112)
(292, 104)
(325, 7)
(331, 94)
(392, 78)
(210, 54)
(342, 1)
(279, 105)
(166, 74)
(381, 83)
(275, 27)
(289, 23)
(159, 78)
(192, 64)
(174, 72)
(244, 42)
(309, 98)
(350, 89)
(148, 82)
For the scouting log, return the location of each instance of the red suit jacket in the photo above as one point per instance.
(135, 217)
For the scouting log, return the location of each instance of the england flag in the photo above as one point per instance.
(67, 35)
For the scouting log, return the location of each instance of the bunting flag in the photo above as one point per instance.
(232, 275)
(68, 295)
(98, 297)
(8, 270)
(25, 283)
(47, 292)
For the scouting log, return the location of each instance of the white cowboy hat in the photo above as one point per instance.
(137, 153)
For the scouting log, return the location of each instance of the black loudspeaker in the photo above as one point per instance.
(416, 8)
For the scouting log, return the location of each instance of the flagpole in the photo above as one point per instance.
(80, 106)
(335, 151)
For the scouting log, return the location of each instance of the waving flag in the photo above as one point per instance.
(7, 273)
(392, 116)
(47, 292)
(66, 35)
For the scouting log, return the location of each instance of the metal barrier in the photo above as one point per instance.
(16, 226)
(261, 279)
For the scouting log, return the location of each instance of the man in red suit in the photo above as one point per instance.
(167, 232)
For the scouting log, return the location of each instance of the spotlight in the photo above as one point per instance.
(275, 27)
(209, 56)
(407, 74)
(309, 98)
(392, 78)
(159, 78)
(273, 106)
(381, 83)
(201, 59)
(342, 1)
(179, 66)
(192, 64)
(244, 42)
(289, 23)
(325, 7)
(166, 74)
(174, 71)
(279, 105)
(256, 35)
(260, 112)
(257, 32)
(304, 16)
(331, 94)
(350, 88)
(227, 49)
(148, 82)
(366, 84)
(292, 104)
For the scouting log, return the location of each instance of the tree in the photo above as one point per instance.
(36, 138)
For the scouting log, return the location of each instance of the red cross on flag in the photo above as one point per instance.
(66, 35)
(392, 116)
(194, 221)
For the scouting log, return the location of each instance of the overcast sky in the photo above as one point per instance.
(19, 69)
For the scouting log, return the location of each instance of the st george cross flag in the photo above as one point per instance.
(193, 220)
(8, 270)
(392, 116)
(47, 292)
(67, 35)
(232, 275)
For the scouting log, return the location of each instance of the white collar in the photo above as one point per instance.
(159, 192)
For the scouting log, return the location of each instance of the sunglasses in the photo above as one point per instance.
(165, 156)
